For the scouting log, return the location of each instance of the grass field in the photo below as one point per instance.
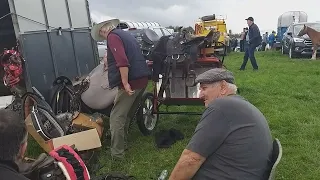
(286, 91)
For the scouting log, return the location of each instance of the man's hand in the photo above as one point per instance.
(187, 166)
(128, 89)
(124, 78)
(105, 61)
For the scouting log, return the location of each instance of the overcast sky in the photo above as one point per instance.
(186, 12)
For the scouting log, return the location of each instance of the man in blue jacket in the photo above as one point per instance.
(272, 39)
(127, 71)
(253, 40)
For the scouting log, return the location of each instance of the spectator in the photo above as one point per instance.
(232, 139)
(253, 40)
(242, 39)
(272, 39)
(264, 41)
(13, 144)
(127, 70)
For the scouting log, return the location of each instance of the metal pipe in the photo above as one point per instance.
(45, 14)
(72, 39)
(179, 112)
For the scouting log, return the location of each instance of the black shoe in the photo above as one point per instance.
(255, 69)
(241, 69)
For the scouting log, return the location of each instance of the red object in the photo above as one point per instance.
(13, 70)
(67, 165)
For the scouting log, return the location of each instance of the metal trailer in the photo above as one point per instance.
(54, 39)
(127, 25)
(155, 26)
(285, 20)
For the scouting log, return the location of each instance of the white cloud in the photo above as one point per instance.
(99, 17)
(186, 12)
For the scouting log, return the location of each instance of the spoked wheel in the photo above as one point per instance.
(146, 119)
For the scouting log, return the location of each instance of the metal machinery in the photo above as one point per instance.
(211, 22)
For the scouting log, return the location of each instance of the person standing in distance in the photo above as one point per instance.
(253, 40)
(127, 70)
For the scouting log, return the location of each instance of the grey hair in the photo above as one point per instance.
(232, 87)
(108, 28)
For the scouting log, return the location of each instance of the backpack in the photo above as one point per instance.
(63, 163)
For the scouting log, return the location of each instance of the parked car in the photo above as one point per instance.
(297, 46)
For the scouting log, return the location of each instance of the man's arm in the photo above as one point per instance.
(255, 32)
(116, 46)
(187, 166)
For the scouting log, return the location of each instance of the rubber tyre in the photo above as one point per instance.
(147, 113)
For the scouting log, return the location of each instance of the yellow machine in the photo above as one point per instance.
(210, 22)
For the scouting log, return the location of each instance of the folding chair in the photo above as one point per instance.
(276, 157)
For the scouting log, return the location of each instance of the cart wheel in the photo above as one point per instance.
(146, 120)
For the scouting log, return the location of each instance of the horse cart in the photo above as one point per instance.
(175, 62)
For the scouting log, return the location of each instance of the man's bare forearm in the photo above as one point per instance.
(124, 74)
(187, 166)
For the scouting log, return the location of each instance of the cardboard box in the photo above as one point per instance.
(84, 121)
(84, 140)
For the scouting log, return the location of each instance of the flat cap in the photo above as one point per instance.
(215, 75)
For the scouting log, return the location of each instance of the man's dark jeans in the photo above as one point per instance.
(249, 53)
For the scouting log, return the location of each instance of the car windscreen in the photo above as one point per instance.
(297, 28)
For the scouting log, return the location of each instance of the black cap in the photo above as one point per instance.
(250, 18)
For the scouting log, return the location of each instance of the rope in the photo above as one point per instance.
(34, 21)
(28, 20)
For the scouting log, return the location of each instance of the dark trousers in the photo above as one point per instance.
(241, 45)
(249, 53)
(263, 47)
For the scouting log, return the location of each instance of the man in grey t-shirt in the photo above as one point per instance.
(231, 141)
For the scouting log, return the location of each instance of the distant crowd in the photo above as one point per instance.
(268, 40)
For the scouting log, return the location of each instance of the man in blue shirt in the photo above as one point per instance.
(272, 39)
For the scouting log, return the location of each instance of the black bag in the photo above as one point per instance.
(45, 121)
(63, 97)
(43, 168)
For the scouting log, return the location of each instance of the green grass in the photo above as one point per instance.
(286, 91)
